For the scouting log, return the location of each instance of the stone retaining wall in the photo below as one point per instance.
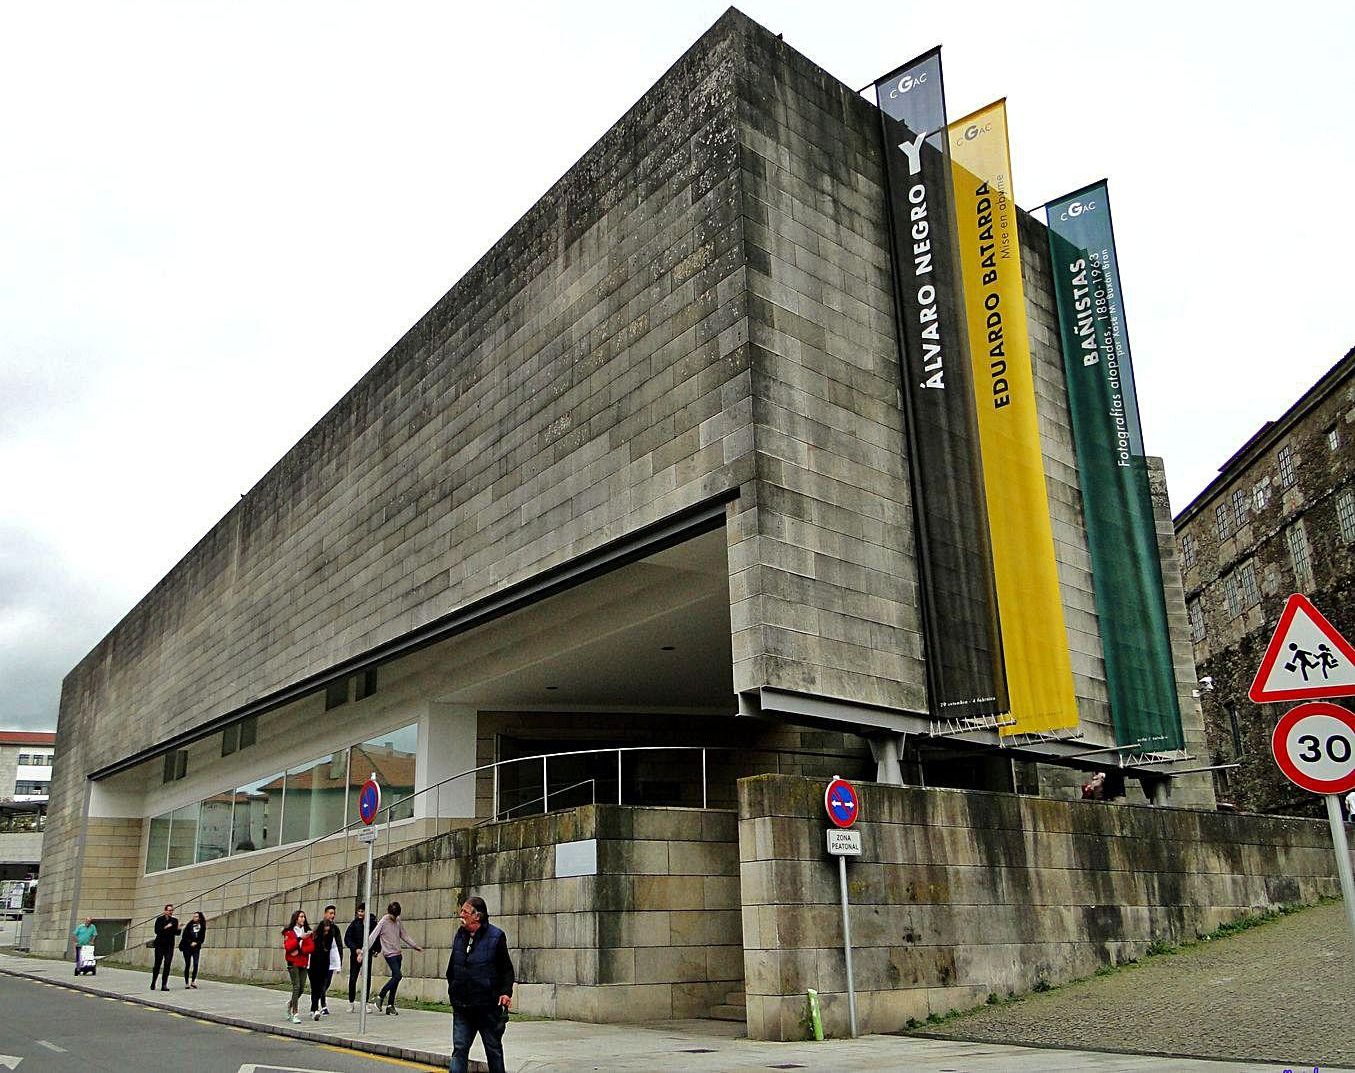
(651, 933)
(960, 895)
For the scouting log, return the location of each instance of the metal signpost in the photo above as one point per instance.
(1314, 745)
(843, 806)
(369, 804)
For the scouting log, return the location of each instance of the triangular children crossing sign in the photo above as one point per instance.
(1307, 658)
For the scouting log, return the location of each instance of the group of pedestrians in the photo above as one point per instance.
(480, 974)
(191, 938)
(315, 955)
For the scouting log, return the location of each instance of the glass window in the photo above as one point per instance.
(1285, 458)
(249, 731)
(1345, 515)
(392, 757)
(258, 815)
(214, 827)
(1195, 614)
(1260, 496)
(1333, 438)
(183, 835)
(1189, 549)
(315, 798)
(157, 844)
(366, 683)
(336, 693)
(1234, 597)
(1240, 506)
(230, 739)
(25, 760)
(1223, 519)
(1297, 540)
(1251, 595)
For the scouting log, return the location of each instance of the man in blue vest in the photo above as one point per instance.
(479, 986)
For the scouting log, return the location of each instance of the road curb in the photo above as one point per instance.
(385, 1050)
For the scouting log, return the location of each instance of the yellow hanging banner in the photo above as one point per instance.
(1030, 605)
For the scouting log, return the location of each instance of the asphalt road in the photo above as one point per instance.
(52, 1030)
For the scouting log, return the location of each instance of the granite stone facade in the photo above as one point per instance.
(695, 320)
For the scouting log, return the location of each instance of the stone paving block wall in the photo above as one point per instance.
(960, 895)
(654, 933)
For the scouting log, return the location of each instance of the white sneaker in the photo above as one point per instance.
(352, 1007)
(315, 1016)
(296, 1020)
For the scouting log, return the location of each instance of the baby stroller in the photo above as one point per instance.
(85, 961)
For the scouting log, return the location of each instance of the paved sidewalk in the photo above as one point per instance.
(574, 1047)
(1281, 991)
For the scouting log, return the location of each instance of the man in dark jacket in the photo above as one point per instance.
(166, 931)
(479, 986)
(357, 956)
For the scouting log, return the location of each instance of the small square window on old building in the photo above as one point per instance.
(1260, 496)
(1190, 548)
(1195, 615)
(1297, 540)
(1345, 515)
(336, 693)
(1233, 594)
(1333, 437)
(1251, 595)
(1285, 460)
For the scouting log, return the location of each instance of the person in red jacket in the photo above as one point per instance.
(298, 944)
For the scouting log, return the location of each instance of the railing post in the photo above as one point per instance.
(703, 778)
(545, 785)
(618, 776)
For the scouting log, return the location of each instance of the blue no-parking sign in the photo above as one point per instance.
(841, 802)
(369, 801)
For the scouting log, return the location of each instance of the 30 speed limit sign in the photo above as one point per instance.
(1314, 744)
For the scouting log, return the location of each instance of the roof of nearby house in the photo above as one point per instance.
(27, 737)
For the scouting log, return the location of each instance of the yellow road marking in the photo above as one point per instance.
(379, 1058)
(233, 1028)
(173, 1014)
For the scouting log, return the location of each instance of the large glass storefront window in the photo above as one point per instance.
(183, 836)
(315, 798)
(157, 844)
(214, 827)
(305, 802)
(258, 815)
(391, 756)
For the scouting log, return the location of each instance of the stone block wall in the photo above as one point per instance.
(959, 894)
(652, 933)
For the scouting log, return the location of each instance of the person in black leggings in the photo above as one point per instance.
(190, 945)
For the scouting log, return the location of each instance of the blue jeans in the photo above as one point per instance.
(466, 1022)
(393, 984)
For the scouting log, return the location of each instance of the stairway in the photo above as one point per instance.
(734, 1008)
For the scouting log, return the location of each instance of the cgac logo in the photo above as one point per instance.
(971, 132)
(1076, 209)
(906, 83)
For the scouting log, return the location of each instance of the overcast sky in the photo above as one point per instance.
(215, 217)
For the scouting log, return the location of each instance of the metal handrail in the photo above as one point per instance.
(494, 766)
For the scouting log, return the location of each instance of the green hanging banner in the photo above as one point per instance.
(1121, 532)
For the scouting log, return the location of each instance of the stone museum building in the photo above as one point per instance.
(1278, 519)
(602, 571)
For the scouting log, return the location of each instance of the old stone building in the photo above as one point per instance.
(639, 481)
(1278, 519)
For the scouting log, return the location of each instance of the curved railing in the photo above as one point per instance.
(228, 891)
